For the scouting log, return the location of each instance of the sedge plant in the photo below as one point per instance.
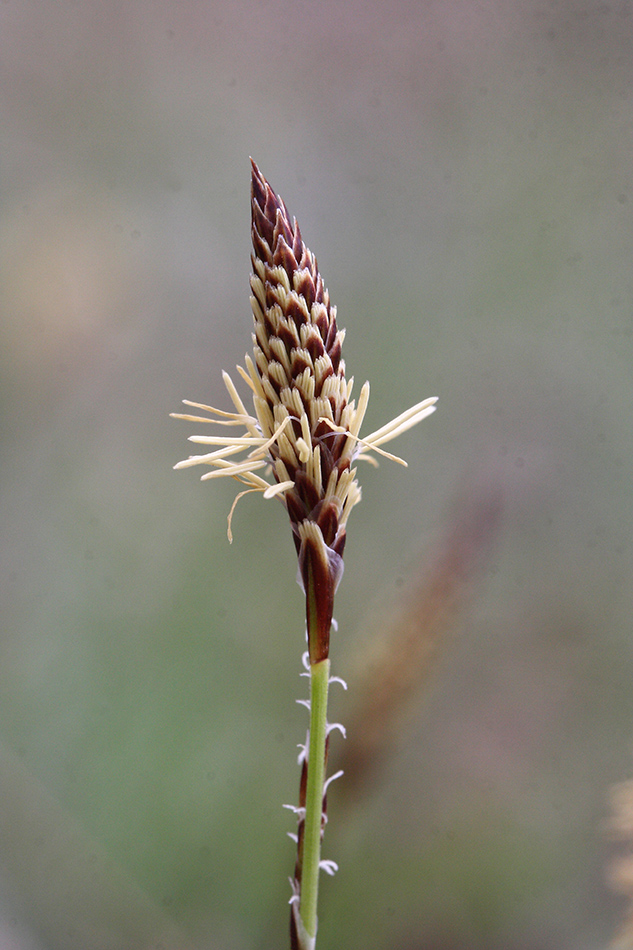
(299, 444)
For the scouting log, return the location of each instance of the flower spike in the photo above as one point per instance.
(305, 429)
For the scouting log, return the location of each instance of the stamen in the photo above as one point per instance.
(239, 468)
(233, 507)
(273, 490)
(402, 422)
(233, 393)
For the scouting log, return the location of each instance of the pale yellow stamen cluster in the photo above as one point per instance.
(269, 427)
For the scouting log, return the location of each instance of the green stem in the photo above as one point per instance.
(319, 681)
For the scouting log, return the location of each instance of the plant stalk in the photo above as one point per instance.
(319, 681)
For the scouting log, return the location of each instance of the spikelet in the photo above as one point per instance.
(305, 428)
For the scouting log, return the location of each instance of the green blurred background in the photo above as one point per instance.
(462, 171)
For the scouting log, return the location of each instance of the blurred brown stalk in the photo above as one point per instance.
(402, 655)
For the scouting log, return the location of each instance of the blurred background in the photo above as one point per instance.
(462, 171)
